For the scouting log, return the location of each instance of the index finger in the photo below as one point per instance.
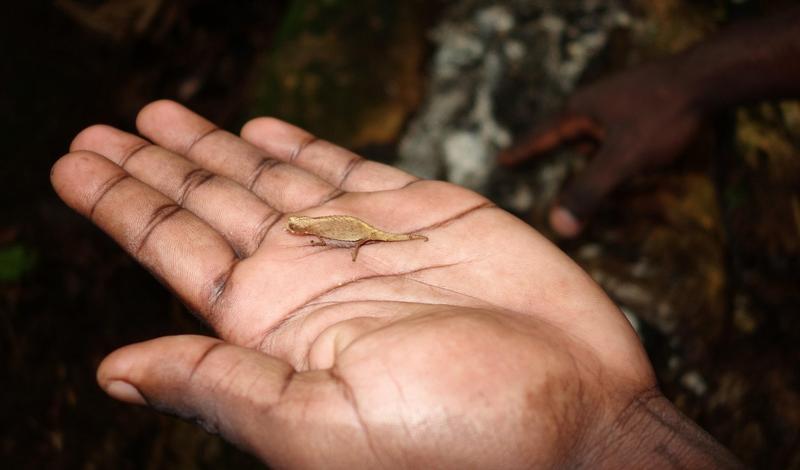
(566, 128)
(184, 252)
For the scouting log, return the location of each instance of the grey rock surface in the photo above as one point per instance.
(497, 66)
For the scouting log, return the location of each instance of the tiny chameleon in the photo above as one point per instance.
(344, 231)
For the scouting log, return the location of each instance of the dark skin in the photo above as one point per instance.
(645, 117)
(486, 347)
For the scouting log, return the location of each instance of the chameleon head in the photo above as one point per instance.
(298, 223)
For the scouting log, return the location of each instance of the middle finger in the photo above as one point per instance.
(284, 186)
(233, 211)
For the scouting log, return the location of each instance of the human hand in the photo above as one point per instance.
(484, 347)
(642, 118)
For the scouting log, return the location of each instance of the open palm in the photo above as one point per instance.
(486, 340)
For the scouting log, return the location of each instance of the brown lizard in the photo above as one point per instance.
(344, 231)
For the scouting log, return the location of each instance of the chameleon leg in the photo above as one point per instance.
(357, 246)
(319, 242)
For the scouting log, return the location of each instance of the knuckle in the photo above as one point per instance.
(191, 181)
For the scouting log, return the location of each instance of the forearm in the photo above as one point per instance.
(750, 61)
(652, 433)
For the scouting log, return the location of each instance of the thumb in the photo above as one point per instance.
(586, 192)
(201, 379)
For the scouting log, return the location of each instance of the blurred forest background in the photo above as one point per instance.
(703, 256)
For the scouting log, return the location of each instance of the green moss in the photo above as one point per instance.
(15, 261)
(334, 62)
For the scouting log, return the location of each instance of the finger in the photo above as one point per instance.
(566, 128)
(233, 211)
(583, 196)
(179, 248)
(248, 397)
(285, 187)
(336, 165)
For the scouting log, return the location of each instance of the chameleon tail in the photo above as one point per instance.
(400, 237)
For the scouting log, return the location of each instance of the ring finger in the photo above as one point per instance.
(284, 186)
(233, 211)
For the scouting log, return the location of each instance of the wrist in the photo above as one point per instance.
(651, 433)
(748, 62)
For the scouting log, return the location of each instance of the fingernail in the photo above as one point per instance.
(124, 391)
(563, 222)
